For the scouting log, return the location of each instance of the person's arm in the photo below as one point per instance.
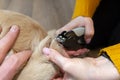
(85, 8)
(113, 53)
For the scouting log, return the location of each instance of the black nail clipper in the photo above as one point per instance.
(72, 40)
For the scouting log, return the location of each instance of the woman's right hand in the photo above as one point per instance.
(89, 31)
(99, 68)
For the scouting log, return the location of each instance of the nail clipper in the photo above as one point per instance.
(72, 40)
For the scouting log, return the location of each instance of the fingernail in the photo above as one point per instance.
(46, 51)
(14, 28)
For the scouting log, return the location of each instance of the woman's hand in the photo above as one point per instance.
(11, 64)
(80, 22)
(83, 69)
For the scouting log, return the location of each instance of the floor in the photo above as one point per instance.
(52, 14)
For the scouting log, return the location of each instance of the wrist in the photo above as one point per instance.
(114, 53)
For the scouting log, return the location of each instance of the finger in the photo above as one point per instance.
(79, 21)
(89, 29)
(78, 52)
(55, 57)
(12, 64)
(65, 64)
(7, 41)
(83, 51)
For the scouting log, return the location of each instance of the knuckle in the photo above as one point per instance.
(2, 46)
(67, 66)
(89, 20)
(80, 18)
(2, 50)
(91, 33)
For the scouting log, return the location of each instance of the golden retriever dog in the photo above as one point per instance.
(34, 37)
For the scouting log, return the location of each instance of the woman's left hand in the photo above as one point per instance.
(10, 65)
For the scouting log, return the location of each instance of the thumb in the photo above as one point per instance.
(55, 57)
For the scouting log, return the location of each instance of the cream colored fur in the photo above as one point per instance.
(32, 36)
